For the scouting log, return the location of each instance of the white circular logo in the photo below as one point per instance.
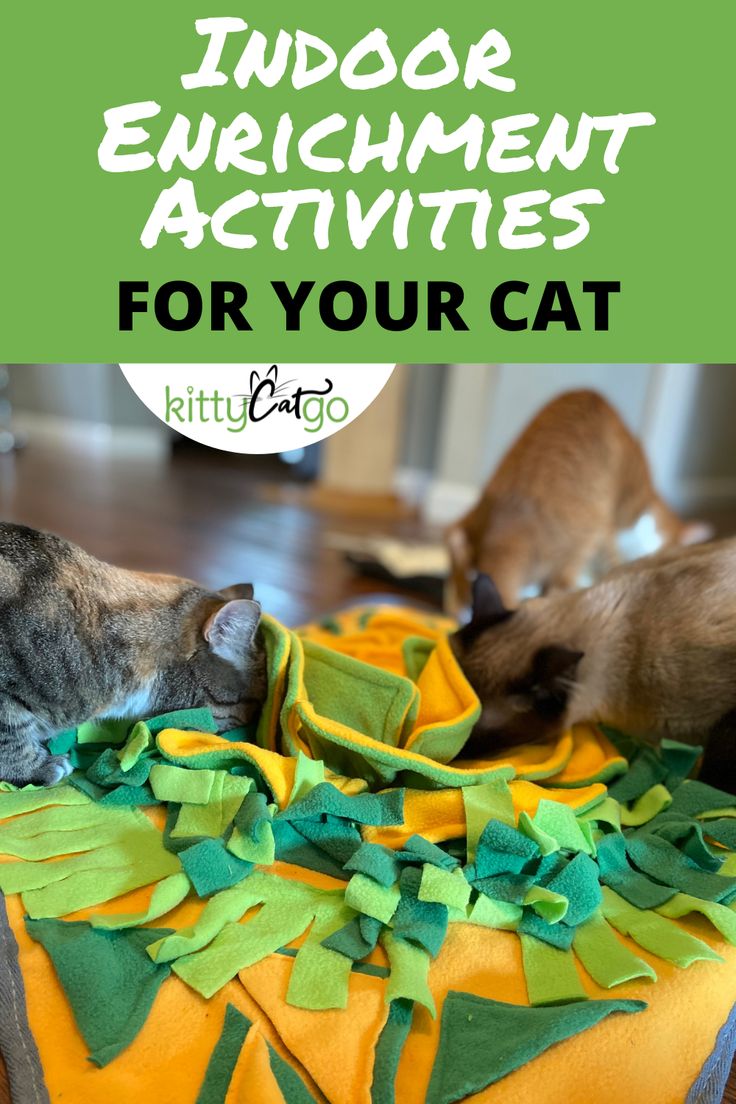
(257, 407)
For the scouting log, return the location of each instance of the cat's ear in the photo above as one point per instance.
(273, 371)
(237, 590)
(488, 610)
(488, 604)
(230, 630)
(255, 379)
(553, 675)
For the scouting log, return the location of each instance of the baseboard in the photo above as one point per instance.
(49, 429)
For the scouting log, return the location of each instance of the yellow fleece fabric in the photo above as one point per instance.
(401, 660)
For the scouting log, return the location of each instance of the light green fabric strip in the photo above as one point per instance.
(211, 820)
(444, 887)
(166, 896)
(409, 971)
(320, 977)
(27, 801)
(646, 807)
(722, 917)
(605, 957)
(261, 850)
(170, 783)
(654, 933)
(238, 946)
(607, 811)
(551, 906)
(90, 887)
(551, 974)
(139, 740)
(559, 822)
(495, 914)
(546, 843)
(368, 896)
(308, 774)
(487, 801)
(223, 908)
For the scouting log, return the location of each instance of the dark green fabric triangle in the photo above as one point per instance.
(483, 1040)
(109, 980)
(224, 1057)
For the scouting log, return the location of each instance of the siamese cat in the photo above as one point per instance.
(650, 650)
(82, 639)
(556, 506)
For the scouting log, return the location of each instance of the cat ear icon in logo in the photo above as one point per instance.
(257, 407)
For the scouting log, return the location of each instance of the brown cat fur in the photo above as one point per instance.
(650, 650)
(84, 639)
(574, 478)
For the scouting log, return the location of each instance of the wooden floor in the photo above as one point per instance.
(208, 516)
(202, 515)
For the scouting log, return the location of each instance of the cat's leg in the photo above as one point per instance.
(24, 758)
(573, 573)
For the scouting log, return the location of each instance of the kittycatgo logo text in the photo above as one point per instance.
(257, 408)
(267, 398)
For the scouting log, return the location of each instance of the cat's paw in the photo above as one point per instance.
(52, 770)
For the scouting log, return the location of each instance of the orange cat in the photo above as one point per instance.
(573, 480)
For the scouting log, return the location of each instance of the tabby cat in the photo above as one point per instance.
(556, 506)
(83, 639)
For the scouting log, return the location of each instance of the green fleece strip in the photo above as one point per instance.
(551, 906)
(224, 1057)
(388, 1051)
(308, 774)
(722, 917)
(654, 933)
(166, 896)
(605, 957)
(52, 844)
(444, 887)
(662, 860)
(365, 895)
(239, 946)
(487, 801)
(547, 844)
(188, 720)
(224, 908)
(139, 741)
(320, 976)
(551, 975)
(646, 807)
(211, 820)
(607, 812)
(27, 801)
(293, 1089)
(103, 732)
(491, 913)
(56, 889)
(67, 818)
(559, 822)
(252, 837)
(409, 971)
(288, 909)
(192, 787)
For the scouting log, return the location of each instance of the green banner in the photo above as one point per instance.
(198, 181)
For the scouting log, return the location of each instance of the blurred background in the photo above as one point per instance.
(359, 513)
